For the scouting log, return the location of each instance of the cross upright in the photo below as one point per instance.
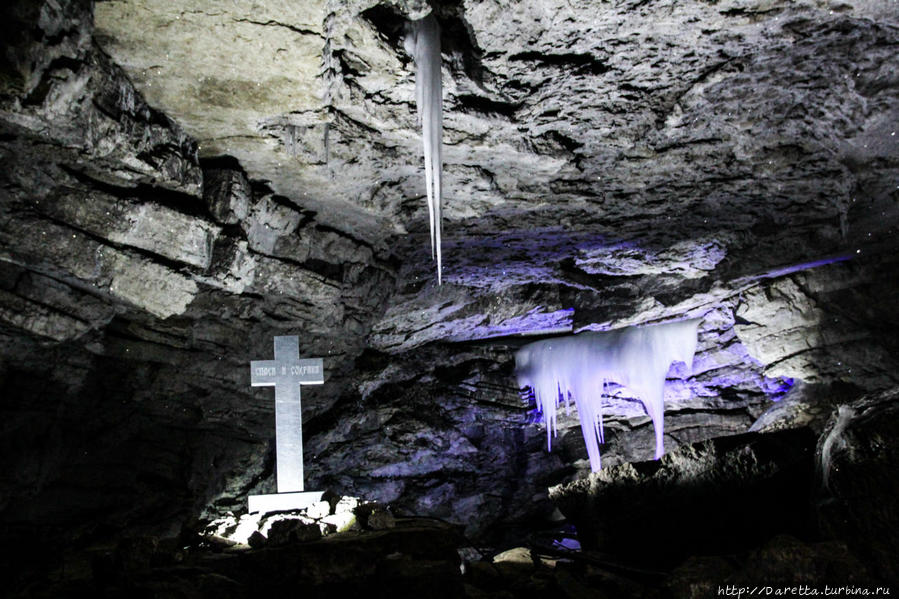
(286, 373)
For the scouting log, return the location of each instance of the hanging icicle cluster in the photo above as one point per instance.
(423, 43)
(580, 367)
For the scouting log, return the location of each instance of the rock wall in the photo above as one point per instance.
(607, 165)
(138, 281)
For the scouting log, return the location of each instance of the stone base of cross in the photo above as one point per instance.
(286, 373)
(283, 502)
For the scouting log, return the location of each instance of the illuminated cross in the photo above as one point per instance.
(286, 373)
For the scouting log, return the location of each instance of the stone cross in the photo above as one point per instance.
(286, 373)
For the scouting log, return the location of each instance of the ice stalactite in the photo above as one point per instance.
(580, 366)
(423, 43)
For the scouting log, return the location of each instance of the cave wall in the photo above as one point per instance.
(138, 282)
(747, 178)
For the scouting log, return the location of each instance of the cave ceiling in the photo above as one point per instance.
(630, 139)
(613, 118)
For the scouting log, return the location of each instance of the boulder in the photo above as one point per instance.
(723, 495)
(291, 530)
(857, 494)
(374, 516)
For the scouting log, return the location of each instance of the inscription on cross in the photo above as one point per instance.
(286, 373)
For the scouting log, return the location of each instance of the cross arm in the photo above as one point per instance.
(263, 373)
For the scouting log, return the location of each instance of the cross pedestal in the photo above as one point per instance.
(286, 373)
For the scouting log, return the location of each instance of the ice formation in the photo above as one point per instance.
(845, 414)
(580, 367)
(423, 43)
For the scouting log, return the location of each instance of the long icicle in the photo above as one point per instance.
(425, 50)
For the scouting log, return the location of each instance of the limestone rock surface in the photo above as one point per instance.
(181, 181)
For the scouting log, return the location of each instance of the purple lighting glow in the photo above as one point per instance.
(786, 270)
(779, 387)
(581, 366)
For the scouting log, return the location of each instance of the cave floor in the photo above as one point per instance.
(420, 557)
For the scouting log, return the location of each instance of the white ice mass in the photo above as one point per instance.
(423, 43)
(580, 366)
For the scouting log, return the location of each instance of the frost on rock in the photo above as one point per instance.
(423, 43)
(581, 366)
